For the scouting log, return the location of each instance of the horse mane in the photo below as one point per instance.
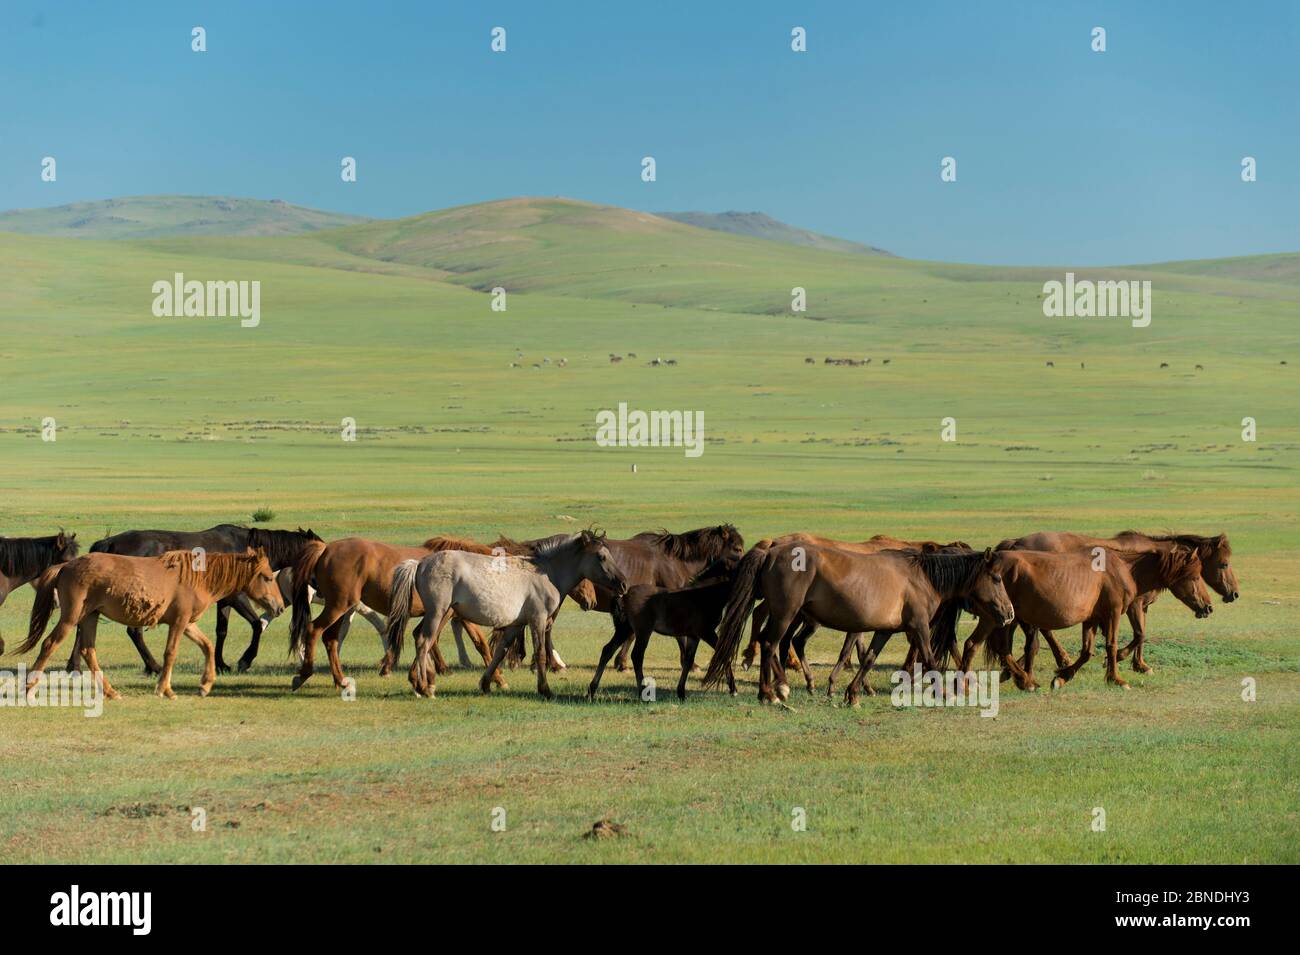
(549, 546)
(222, 572)
(1182, 560)
(28, 556)
(448, 542)
(1203, 545)
(703, 543)
(947, 572)
(282, 547)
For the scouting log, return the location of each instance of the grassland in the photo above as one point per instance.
(186, 422)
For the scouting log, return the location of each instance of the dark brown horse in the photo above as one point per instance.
(1214, 553)
(691, 613)
(666, 560)
(887, 592)
(174, 589)
(1054, 590)
(23, 559)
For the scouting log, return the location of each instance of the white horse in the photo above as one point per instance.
(496, 591)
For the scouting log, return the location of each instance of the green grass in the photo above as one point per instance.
(186, 422)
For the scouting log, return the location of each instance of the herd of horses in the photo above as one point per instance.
(699, 586)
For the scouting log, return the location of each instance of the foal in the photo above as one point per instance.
(690, 612)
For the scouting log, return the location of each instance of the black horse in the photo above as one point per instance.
(23, 559)
(282, 549)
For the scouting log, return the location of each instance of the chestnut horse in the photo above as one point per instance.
(1215, 554)
(23, 559)
(175, 589)
(1050, 591)
(796, 638)
(887, 592)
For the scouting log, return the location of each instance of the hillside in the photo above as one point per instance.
(144, 217)
(758, 225)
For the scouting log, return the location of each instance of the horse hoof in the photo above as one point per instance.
(243, 666)
(783, 691)
(1057, 683)
(204, 690)
(298, 680)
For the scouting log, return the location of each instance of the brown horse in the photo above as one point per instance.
(666, 560)
(795, 640)
(1054, 590)
(23, 559)
(1215, 554)
(690, 612)
(175, 589)
(887, 592)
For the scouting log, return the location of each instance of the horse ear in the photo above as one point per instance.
(988, 555)
(261, 553)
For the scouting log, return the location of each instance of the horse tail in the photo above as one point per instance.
(46, 587)
(943, 631)
(739, 606)
(303, 568)
(399, 605)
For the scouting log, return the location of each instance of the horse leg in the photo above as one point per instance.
(981, 633)
(799, 645)
(424, 673)
(845, 657)
(245, 609)
(480, 644)
(606, 652)
(688, 661)
(86, 640)
(169, 660)
(67, 616)
(458, 632)
(223, 626)
(151, 666)
(638, 660)
(209, 658)
(620, 661)
(1112, 655)
(505, 643)
(759, 619)
(1137, 616)
(859, 682)
(332, 643)
(323, 621)
(1065, 674)
(542, 654)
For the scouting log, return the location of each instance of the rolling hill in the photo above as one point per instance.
(144, 217)
(759, 225)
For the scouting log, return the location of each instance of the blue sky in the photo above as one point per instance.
(1064, 156)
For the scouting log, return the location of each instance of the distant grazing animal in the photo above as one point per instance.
(23, 559)
(810, 361)
(615, 359)
(885, 362)
(1051, 364)
(1200, 368)
(494, 591)
(1164, 364)
(174, 589)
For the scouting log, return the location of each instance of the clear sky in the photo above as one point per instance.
(1064, 156)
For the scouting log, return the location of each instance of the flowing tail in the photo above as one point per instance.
(998, 645)
(739, 607)
(303, 569)
(399, 605)
(46, 587)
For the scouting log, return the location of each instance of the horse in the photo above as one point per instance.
(690, 612)
(1215, 554)
(175, 589)
(497, 591)
(794, 642)
(887, 592)
(23, 559)
(282, 549)
(1054, 590)
(663, 559)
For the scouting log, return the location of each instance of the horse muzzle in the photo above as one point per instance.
(1229, 598)
(1204, 612)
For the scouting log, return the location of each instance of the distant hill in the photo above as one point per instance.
(761, 226)
(151, 217)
